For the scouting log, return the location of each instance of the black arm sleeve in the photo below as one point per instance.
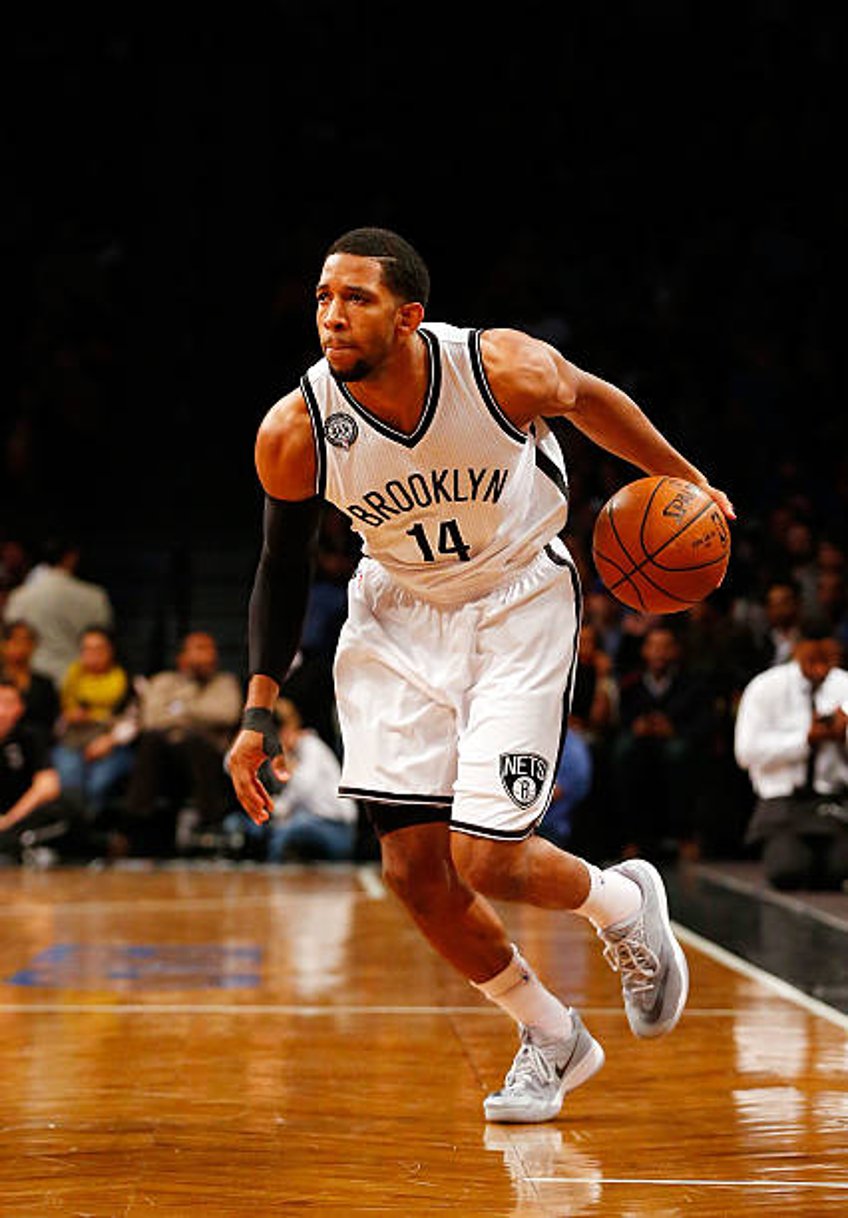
(281, 587)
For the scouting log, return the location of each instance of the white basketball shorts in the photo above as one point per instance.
(463, 708)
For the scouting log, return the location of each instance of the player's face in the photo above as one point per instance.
(357, 316)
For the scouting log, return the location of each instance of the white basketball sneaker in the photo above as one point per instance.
(543, 1073)
(650, 961)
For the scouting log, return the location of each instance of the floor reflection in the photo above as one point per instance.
(546, 1170)
(317, 940)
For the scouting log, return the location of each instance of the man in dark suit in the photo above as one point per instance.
(666, 718)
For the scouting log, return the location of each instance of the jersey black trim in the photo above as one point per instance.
(572, 668)
(485, 388)
(431, 399)
(498, 835)
(392, 797)
(556, 558)
(556, 426)
(552, 470)
(317, 435)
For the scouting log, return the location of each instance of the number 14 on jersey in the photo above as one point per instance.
(449, 541)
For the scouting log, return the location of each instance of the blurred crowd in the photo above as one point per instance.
(98, 761)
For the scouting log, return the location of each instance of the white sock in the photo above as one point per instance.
(613, 897)
(518, 991)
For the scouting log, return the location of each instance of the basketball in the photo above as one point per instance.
(661, 545)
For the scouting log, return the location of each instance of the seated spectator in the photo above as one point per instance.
(620, 632)
(40, 696)
(579, 787)
(93, 753)
(791, 738)
(335, 562)
(59, 606)
(188, 717)
(666, 717)
(800, 548)
(718, 649)
(572, 785)
(831, 609)
(830, 556)
(784, 613)
(29, 785)
(309, 683)
(594, 704)
(310, 821)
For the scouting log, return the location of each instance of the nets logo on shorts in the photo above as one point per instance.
(341, 430)
(523, 776)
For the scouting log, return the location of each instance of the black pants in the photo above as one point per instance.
(793, 860)
(804, 840)
(654, 783)
(168, 774)
(55, 824)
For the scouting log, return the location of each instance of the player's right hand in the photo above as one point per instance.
(244, 760)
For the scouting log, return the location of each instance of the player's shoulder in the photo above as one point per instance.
(449, 335)
(522, 370)
(285, 449)
(289, 414)
(508, 343)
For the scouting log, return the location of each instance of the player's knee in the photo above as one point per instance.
(487, 867)
(422, 890)
(427, 885)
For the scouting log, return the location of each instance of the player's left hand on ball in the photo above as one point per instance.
(722, 500)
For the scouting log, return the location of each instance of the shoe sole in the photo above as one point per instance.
(589, 1064)
(652, 1031)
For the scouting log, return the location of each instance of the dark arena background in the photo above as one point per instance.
(657, 190)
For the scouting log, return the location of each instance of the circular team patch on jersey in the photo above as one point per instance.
(523, 777)
(341, 430)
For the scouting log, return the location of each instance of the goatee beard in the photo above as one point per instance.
(358, 372)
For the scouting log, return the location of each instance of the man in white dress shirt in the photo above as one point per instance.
(791, 738)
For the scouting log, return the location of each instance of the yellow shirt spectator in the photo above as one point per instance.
(99, 693)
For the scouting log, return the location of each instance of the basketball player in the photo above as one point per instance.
(455, 666)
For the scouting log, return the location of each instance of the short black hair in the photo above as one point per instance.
(816, 632)
(785, 581)
(404, 270)
(17, 623)
(55, 548)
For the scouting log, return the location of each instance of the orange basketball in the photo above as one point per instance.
(661, 545)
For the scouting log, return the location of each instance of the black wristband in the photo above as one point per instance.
(260, 719)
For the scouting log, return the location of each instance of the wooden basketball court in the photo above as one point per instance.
(239, 1041)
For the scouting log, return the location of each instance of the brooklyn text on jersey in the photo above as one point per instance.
(424, 489)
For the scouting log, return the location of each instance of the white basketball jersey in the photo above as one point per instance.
(452, 508)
